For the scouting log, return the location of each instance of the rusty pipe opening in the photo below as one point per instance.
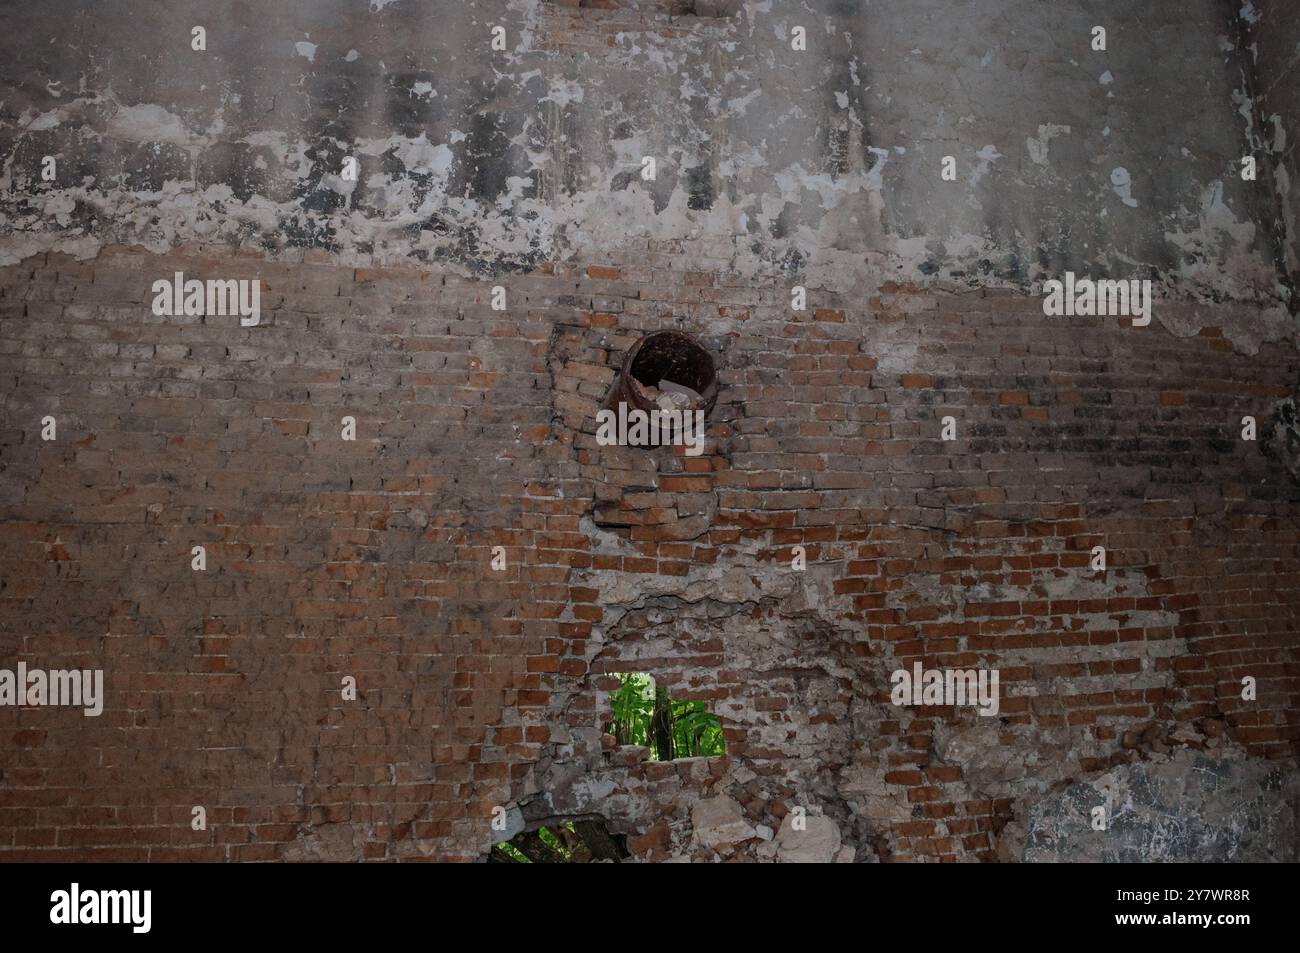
(659, 361)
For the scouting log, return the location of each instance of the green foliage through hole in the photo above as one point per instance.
(645, 715)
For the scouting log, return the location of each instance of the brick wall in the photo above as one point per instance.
(479, 688)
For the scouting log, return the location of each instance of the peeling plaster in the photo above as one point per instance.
(821, 167)
(1216, 807)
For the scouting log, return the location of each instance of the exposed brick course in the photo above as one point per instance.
(475, 429)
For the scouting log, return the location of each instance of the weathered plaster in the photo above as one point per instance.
(1187, 806)
(822, 164)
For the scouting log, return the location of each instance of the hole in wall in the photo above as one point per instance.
(675, 357)
(692, 8)
(666, 370)
(577, 840)
(642, 715)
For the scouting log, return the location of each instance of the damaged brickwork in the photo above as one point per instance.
(480, 689)
(483, 691)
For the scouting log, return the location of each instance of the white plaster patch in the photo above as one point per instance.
(987, 156)
(49, 120)
(1279, 134)
(420, 155)
(737, 106)
(1122, 185)
(1217, 222)
(306, 50)
(562, 92)
(1038, 147)
(149, 123)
